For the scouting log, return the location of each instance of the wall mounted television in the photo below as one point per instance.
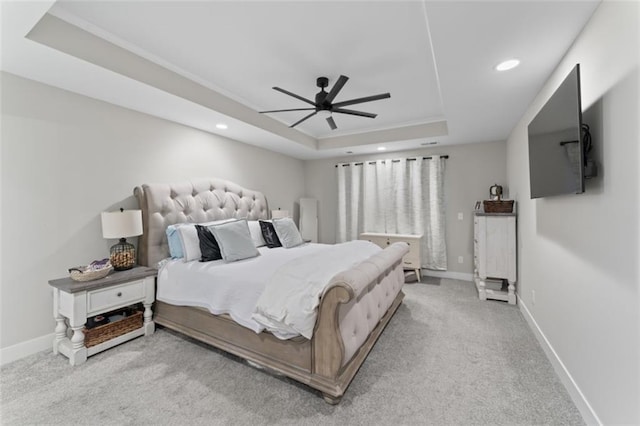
(556, 146)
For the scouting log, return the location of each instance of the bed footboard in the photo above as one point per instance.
(355, 308)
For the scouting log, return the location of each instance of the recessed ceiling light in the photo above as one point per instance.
(381, 148)
(429, 143)
(349, 152)
(221, 126)
(507, 65)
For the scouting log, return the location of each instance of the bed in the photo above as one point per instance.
(353, 311)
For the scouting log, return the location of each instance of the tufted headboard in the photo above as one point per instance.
(201, 200)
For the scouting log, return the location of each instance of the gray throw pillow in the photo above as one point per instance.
(287, 232)
(234, 240)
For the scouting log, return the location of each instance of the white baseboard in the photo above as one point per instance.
(24, 349)
(588, 414)
(448, 274)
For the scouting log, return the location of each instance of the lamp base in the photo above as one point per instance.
(122, 255)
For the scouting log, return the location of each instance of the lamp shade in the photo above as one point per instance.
(278, 214)
(122, 224)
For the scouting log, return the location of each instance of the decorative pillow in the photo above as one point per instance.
(190, 243)
(234, 240)
(175, 244)
(287, 232)
(256, 233)
(190, 240)
(269, 234)
(208, 245)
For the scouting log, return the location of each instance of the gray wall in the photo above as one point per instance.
(579, 253)
(66, 158)
(470, 171)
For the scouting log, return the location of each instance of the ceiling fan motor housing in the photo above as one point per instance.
(322, 82)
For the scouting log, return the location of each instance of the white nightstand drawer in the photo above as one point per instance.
(122, 295)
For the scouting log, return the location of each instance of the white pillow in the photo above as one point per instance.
(234, 240)
(287, 232)
(256, 233)
(190, 240)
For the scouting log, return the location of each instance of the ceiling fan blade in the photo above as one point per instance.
(362, 100)
(336, 88)
(352, 112)
(300, 121)
(286, 92)
(332, 123)
(285, 110)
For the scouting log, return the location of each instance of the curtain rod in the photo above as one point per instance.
(393, 161)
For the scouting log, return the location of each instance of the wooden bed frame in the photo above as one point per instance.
(353, 311)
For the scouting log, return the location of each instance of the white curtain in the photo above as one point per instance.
(349, 200)
(403, 196)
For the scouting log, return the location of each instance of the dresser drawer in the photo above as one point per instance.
(412, 259)
(379, 241)
(114, 297)
(410, 263)
(414, 243)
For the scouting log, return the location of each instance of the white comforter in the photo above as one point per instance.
(234, 288)
(289, 301)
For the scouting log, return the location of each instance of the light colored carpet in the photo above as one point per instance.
(445, 358)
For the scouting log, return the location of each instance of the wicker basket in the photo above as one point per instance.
(503, 206)
(81, 274)
(102, 333)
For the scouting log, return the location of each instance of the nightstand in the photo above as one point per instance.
(74, 302)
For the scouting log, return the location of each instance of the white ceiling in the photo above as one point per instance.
(205, 62)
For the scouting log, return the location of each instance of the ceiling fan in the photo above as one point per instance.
(324, 102)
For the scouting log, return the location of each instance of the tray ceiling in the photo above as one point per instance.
(203, 63)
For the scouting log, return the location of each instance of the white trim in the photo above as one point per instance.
(464, 276)
(24, 349)
(588, 414)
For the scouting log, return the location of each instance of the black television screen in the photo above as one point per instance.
(556, 155)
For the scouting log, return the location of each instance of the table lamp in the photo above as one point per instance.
(122, 224)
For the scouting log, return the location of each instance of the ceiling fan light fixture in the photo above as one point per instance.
(324, 113)
(509, 64)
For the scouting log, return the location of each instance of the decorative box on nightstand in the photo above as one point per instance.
(74, 302)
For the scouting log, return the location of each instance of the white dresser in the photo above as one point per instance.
(494, 255)
(412, 259)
